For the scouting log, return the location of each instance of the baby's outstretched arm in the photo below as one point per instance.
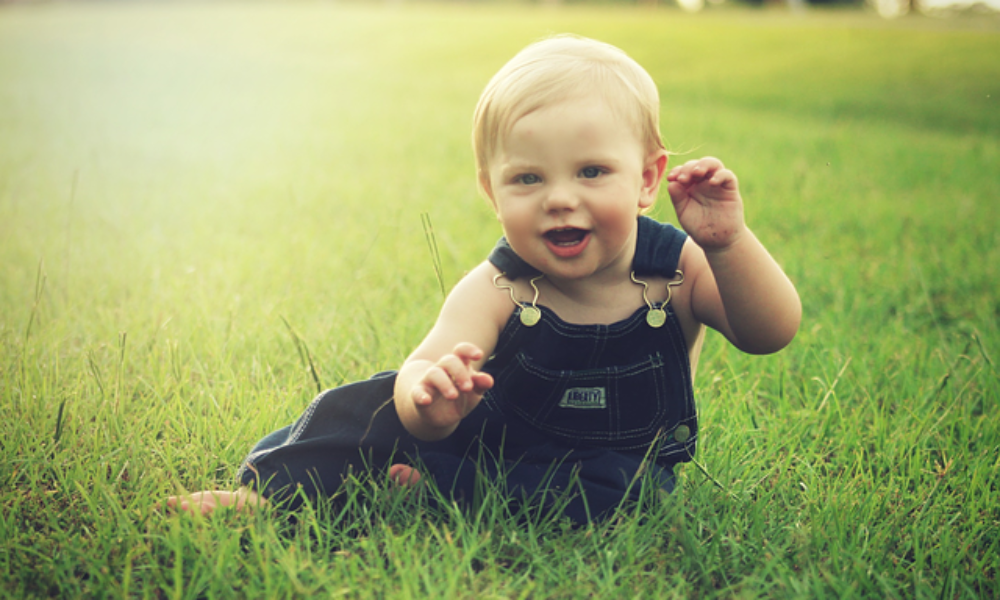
(443, 392)
(738, 288)
(440, 383)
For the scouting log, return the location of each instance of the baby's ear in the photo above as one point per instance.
(652, 175)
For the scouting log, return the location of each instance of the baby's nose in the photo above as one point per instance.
(559, 198)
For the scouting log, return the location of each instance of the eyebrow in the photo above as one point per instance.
(608, 160)
(507, 169)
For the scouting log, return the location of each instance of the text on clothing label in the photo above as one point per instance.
(588, 398)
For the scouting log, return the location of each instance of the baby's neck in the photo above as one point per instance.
(603, 299)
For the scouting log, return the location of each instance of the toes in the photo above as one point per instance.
(404, 475)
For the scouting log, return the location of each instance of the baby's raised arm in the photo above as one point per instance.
(440, 382)
(738, 288)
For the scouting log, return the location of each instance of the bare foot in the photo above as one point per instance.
(208, 501)
(404, 475)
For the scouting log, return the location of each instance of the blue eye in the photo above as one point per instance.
(591, 172)
(529, 179)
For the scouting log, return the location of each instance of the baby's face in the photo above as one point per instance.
(567, 183)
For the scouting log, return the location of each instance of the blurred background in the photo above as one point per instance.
(888, 9)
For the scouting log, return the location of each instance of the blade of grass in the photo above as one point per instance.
(425, 219)
(304, 355)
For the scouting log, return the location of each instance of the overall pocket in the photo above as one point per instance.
(621, 407)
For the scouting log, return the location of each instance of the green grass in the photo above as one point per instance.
(178, 179)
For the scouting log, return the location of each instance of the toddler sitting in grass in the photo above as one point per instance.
(565, 360)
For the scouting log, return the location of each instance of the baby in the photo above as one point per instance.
(566, 359)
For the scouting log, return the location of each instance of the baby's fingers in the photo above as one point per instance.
(695, 171)
(483, 382)
(436, 382)
(723, 178)
(467, 353)
(457, 367)
(449, 377)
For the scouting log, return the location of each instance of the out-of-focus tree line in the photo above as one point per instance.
(886, 8)
(889, 9)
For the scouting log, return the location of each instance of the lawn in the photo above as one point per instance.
(198, 200)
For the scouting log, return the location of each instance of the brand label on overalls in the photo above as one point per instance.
(592, 397)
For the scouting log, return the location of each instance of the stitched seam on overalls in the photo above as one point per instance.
(293, 435)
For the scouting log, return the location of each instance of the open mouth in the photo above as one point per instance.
(569, 236)
(567, 242)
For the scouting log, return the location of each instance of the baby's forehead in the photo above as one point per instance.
(596, 105)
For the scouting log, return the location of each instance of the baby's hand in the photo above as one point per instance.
(707, 199)
(451, 388)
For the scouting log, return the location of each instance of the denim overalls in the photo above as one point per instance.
(574, 407)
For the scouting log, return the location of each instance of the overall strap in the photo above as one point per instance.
(657, 248)
(510, 264)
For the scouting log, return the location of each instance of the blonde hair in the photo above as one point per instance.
(561, 68)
